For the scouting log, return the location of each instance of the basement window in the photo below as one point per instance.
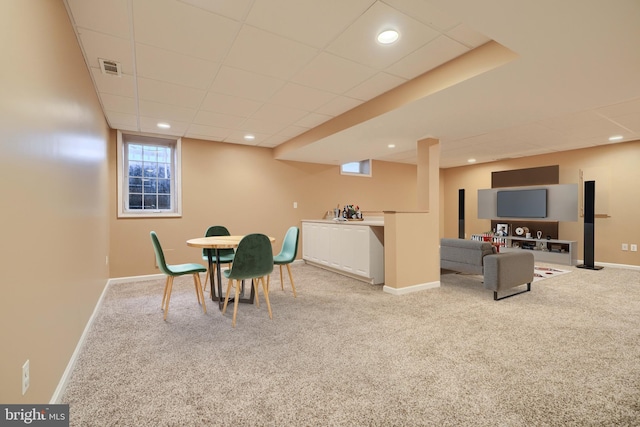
(148, 176)
(361, 168)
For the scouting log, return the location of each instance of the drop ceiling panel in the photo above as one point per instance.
(425, 12)
(629, 122)
(312, 120)
(104, 46)
(117, 103)
(183, 28)
(279, 114)
(262, 126)
(234, 9)
(172, 67)
(237, 137)
(311, 22)
(358, 42)
(119, 120)
(233, 105)
(333, 74)
(438, 51)
(208, 132)
(236, 82)
(467, 36)
(338, 105)
(109, 17)
(166, 112)
(169, 93)
(265, 53)
(297, 96)
(150, 125)
(209, 118)
(376, 85)
(105, 83)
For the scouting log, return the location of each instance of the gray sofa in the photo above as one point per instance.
(501, 271)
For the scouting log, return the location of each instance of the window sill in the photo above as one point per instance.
(150, 215)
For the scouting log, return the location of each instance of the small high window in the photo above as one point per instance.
(362, 168)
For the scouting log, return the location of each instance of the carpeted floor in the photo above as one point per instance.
(344, 353)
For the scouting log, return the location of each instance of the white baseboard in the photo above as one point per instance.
(64, 380)
(411, 289)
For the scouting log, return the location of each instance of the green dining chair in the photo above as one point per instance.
(226, 255)
(288, 254)
(176, 270)
(253, 260)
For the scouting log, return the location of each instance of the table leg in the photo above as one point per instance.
(219, 275)
(219, 297)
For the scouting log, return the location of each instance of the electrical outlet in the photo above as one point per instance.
(106, 260)
(25, 377)
(634, 248)
(625, 246)
(295, 205)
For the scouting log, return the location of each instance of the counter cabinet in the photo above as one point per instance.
(354, 250)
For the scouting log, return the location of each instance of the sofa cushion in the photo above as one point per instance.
(464, 255)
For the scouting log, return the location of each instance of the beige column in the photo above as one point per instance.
(412, 250)
(428, 173)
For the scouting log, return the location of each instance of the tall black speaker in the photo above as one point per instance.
(589, 225)
(461, 214)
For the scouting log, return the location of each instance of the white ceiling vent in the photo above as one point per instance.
(110, 67)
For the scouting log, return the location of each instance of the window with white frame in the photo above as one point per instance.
(148, 176)
(361, 168)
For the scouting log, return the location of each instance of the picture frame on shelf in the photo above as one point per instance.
(502, 229)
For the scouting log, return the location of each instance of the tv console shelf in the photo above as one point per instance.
(545, 250)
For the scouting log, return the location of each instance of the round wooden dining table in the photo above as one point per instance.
(213, 244)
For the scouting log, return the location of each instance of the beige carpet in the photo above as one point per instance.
(344, 353)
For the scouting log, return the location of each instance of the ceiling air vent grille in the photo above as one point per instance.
(110, 67)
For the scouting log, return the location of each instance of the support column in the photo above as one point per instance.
(412, 239)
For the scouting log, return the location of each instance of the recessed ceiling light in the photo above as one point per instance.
(391, 145)
(164, 125)
(388, 36)
(616, 138)
(471, 161)
(249, 137)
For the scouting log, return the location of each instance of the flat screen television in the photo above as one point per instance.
(522, 203)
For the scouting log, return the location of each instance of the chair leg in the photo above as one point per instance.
(206, 280)
(195, 284)
(281, 281)
(235, 304)
(164, 295)
(266, 297)
(168, 292)
(226, 296)
(291, 279)
(254, 283)
(199, 291)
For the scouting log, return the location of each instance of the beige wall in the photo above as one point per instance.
(616, 173)
(53, 183)
(246, 190)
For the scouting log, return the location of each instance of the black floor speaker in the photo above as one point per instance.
(461, 214)
(589, 226)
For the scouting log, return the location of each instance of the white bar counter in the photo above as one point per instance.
(352, 248)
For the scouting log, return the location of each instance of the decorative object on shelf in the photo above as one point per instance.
(539, 234)
(352, 213)
(502, 230)
(522, 231)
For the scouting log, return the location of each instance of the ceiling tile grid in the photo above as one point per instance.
(278, 68)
